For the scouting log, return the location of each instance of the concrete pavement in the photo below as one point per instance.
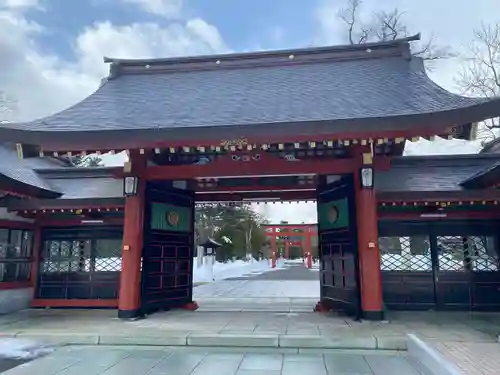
(294, 331)
(263, 314)
(168, 361)
(293, 288)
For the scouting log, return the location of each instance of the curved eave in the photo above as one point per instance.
(423, 124)
(16, 186)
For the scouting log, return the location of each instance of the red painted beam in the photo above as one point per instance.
(16, 224)
(290, 234)
(290, 226)
(256, 196)
(257, 188)
(47, 221)
(444, 215)
(9, 285)
(83, 303)
(267, 165)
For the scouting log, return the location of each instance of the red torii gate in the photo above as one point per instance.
(276, 230)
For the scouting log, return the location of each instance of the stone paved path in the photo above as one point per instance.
(177, 325)
(292, 271)
(291, 289)
(161, 361)
(472, 358)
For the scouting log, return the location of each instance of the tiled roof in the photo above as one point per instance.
(431, 173)
(324, 90)
(83, 188)
(54, 176)
(23, 170)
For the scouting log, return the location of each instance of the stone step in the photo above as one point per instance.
(209, 339)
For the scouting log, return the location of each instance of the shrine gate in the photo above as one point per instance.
(326, 124)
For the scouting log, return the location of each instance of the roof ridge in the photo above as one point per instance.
(397, 47)
(341, 47)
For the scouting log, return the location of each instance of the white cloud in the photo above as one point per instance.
(43, 84)
(143, 40)
(18, 4)
(170, 9)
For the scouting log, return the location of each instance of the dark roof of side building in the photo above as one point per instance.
(329, 90)
(485, 178)
(442, 176)
(16, 171)
(50, 178)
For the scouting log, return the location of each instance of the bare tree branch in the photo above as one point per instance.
(385, 26)
(389, 25)
(348, 15)
(480, 73)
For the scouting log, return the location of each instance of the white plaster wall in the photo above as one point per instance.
(5, 215)
(15, 299)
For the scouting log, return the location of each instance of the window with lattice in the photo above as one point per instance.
(467, 253)
(16, 247)
(411, 254)
(82, 255)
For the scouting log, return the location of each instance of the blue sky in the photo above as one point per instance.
(245, 25)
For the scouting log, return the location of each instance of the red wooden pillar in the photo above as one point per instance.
(368, 252)
(273, 251)
(130, 279)
(287, 250)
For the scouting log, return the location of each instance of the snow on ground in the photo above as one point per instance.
(21, 349)
(237, 268)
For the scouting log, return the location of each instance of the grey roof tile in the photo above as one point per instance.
(23, 170)
(83, 188)
(335, 90)
(331, 87)
(431, 173)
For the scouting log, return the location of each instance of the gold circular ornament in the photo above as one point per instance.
(172, 218)
(333, 214)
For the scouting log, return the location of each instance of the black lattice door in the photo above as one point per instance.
(338, 247)
(167, 258)
(467, 272)
(80, 263)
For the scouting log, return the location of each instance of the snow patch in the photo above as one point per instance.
(237, 268)
(22, 349)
